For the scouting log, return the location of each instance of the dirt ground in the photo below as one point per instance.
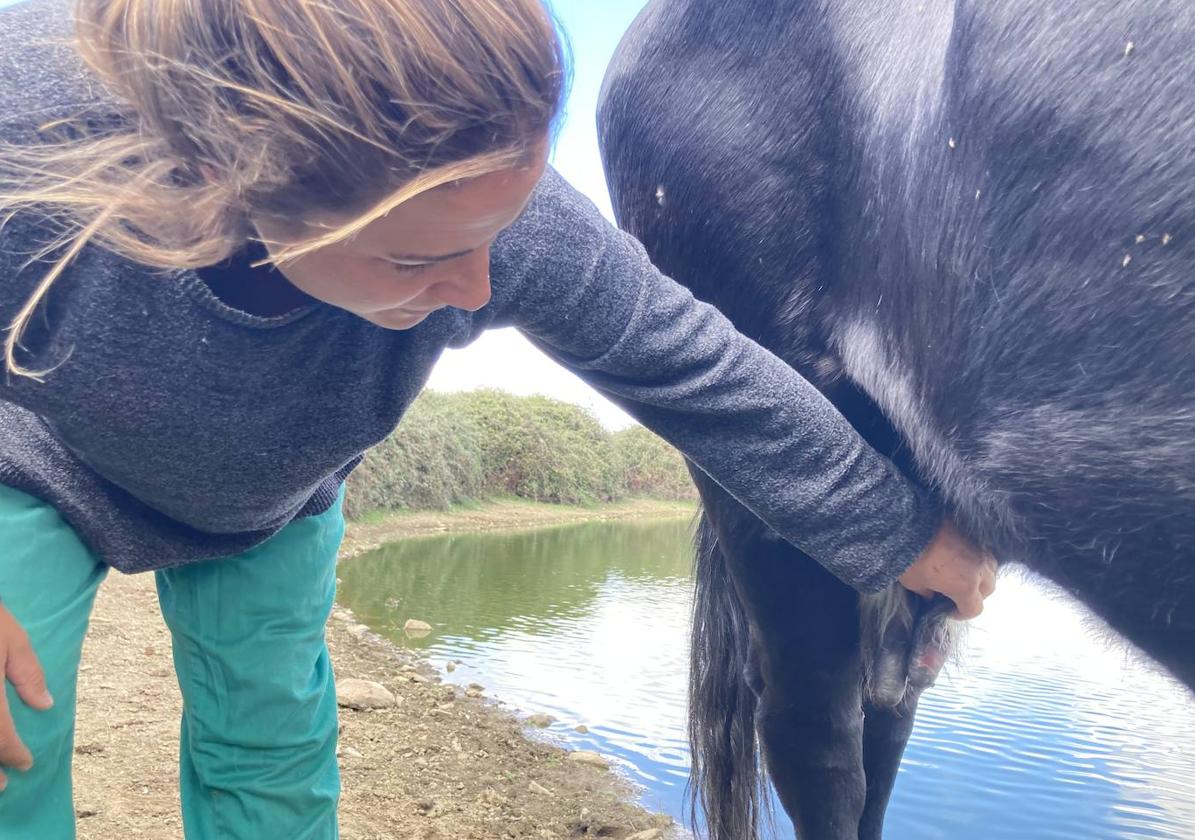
(441, 764)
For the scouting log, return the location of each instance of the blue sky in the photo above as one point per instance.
(593, 29)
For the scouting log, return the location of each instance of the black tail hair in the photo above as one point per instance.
(727, 780)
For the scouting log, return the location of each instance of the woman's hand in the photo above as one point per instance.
(953, 566)
(20, 667)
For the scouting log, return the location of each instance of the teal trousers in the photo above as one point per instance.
(258, 734)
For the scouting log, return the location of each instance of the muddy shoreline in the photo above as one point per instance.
(438, 764)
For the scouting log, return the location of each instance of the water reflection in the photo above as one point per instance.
(1074, 733)
(586, 623)
(1042, 731)
(483, 584)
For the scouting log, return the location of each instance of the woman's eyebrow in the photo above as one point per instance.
(425, 259)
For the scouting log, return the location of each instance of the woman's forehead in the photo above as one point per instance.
(453, 218)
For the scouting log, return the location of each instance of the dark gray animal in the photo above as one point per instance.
(971, 225)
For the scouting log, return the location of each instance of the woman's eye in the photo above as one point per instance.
(408, 269)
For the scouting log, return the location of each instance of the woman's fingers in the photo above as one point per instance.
(976, 588)
(987, 580)
(18, 665)
(953, 566)
(13, 753)
(968, 607)
(25, 673)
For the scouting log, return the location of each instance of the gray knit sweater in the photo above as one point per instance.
(176, 429)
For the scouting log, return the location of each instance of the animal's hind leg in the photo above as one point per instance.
(886, 732)
(805, 637)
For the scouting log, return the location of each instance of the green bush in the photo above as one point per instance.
(542, 449)
(433, 461)
(454, 448)
(650, 467)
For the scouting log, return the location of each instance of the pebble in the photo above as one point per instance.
(492, 797)
(349, 752)
(450, 667)
(581, 728)
(590, 758)
(536, 787)
(416, 628)
(541, 720)
(357, 631)
(650, 834)
(363, 694)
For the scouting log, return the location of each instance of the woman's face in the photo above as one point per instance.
(430, 252)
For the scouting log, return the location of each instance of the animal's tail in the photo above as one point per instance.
(727, 777)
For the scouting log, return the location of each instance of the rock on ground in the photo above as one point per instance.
(416, 629)
(589, 758)
(363, 694)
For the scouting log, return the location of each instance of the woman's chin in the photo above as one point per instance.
(396, 319)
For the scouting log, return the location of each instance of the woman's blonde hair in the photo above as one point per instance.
(232, 110)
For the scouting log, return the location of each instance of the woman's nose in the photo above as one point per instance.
(469, 286)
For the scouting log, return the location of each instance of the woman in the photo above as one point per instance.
(239, 233)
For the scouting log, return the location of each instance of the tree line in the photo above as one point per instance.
(468, 447)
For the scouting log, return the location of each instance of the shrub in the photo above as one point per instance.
(432, 461)
(649, 466)
(454, 448)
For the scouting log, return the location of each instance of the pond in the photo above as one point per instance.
(1042, 731)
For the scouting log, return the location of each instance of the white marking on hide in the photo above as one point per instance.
(866, 361)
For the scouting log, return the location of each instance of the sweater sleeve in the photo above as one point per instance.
(588, 295)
